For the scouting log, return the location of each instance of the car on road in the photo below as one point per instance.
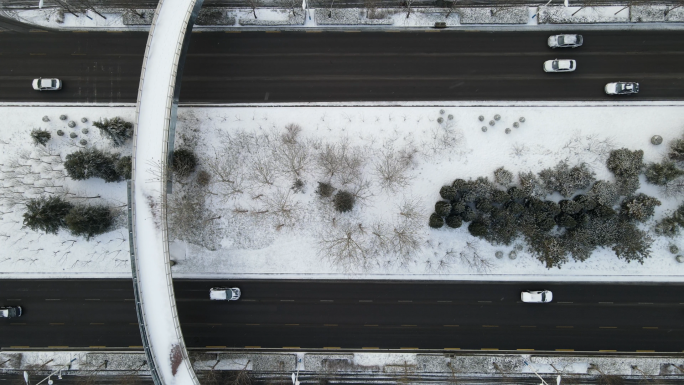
(41, 84)
(224, 293)
(565, 41)
(622, 88)
(563, 65)
(536, 296)
(10, 311)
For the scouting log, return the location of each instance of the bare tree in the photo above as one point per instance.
(254, 4)
(391, 169)
(473, 260)
(345, 245)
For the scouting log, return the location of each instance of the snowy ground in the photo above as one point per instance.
(249, 242)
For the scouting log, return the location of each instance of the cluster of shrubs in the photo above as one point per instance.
(343, 201)
(554, 231)
(50, 214)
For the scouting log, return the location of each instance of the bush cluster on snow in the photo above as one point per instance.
(50, 214)
(592, 213)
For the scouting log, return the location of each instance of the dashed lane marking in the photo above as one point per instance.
(97, 323)
(332, 347)
(645, 351)
(565, 327)
(253, 347)
(489, 349)
(607, 350)
(650, 327)
(452, 348)
(214, 324)
(645, 303)
(565, 350)
(253, 324)
(327, 300)
(405, 301)
(56, 323)
(490, 326)
(286, 300)
(329, 324)
(527, 326)
(215, 346)
(365, 300)
(92, 299)
(248, 300)
(606, 303)
(525, 349)
(14, 299)
(564, 302)
(410, 348)
(607, 327)
(484, 301)
(133, 323)
(18, 323)
(451, 326)
(444, 301)
(409, 325)
(370, 325)
(291, 324)
(57, 347)
(370, 347)
(52, 299)
(97, 346)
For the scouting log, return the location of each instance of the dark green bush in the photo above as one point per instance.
(566, 220)
(477, 229)
(458, 207)
(448, 193)
(516, 193)
(484, 205)
(184, 162)
(89, 221)
(46, 214)
(585, 202)
(443, 208)
(570, 206)
(468, 215)
(639, 207)
(625, 163)
(116, 129)
(500, 197)
(92, 163)
(503, 177)
(203, 178)
(124, 167)
(454, 221)
(40, 136)
(344, 201)
(661, 173)
(436, 221)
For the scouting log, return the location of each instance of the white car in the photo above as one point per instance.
(539, 296)
(41, 84)
(563, 65)
(10, 311)
(565, 41)
(622, 88)
(224, 293)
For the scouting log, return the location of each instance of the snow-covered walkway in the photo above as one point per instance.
(150, 152)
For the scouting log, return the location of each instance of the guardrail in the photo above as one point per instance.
(167, 149)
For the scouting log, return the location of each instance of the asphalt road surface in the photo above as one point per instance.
(259, 67)
(355, 315)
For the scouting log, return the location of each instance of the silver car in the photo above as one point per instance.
(621, 88)
(41, 84)
(536, 296)
(10, 311)
(565, 41)
(562, 65)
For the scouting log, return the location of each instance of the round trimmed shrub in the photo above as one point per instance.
(674, 249)
(516, 124)
(71, 124)
(436, 221)
(443, 208)
(497, 117)
(656, 139)
(344, 201)
(85, 131)
(457, 207)
(441, 112)
(73, 135)
(477, 229)
(481, 118)
(184, 162)
(484, 128)
(491, 122)
(448, 192)
(512, 255)
(454, 221)
(62, 117)
(498, 254)
(60, 133)
(46, 119)
(83, 142)
(484, 205)
(440, 120)
(84, 120)
(459, 185)
(522, 119)
(450, 117)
